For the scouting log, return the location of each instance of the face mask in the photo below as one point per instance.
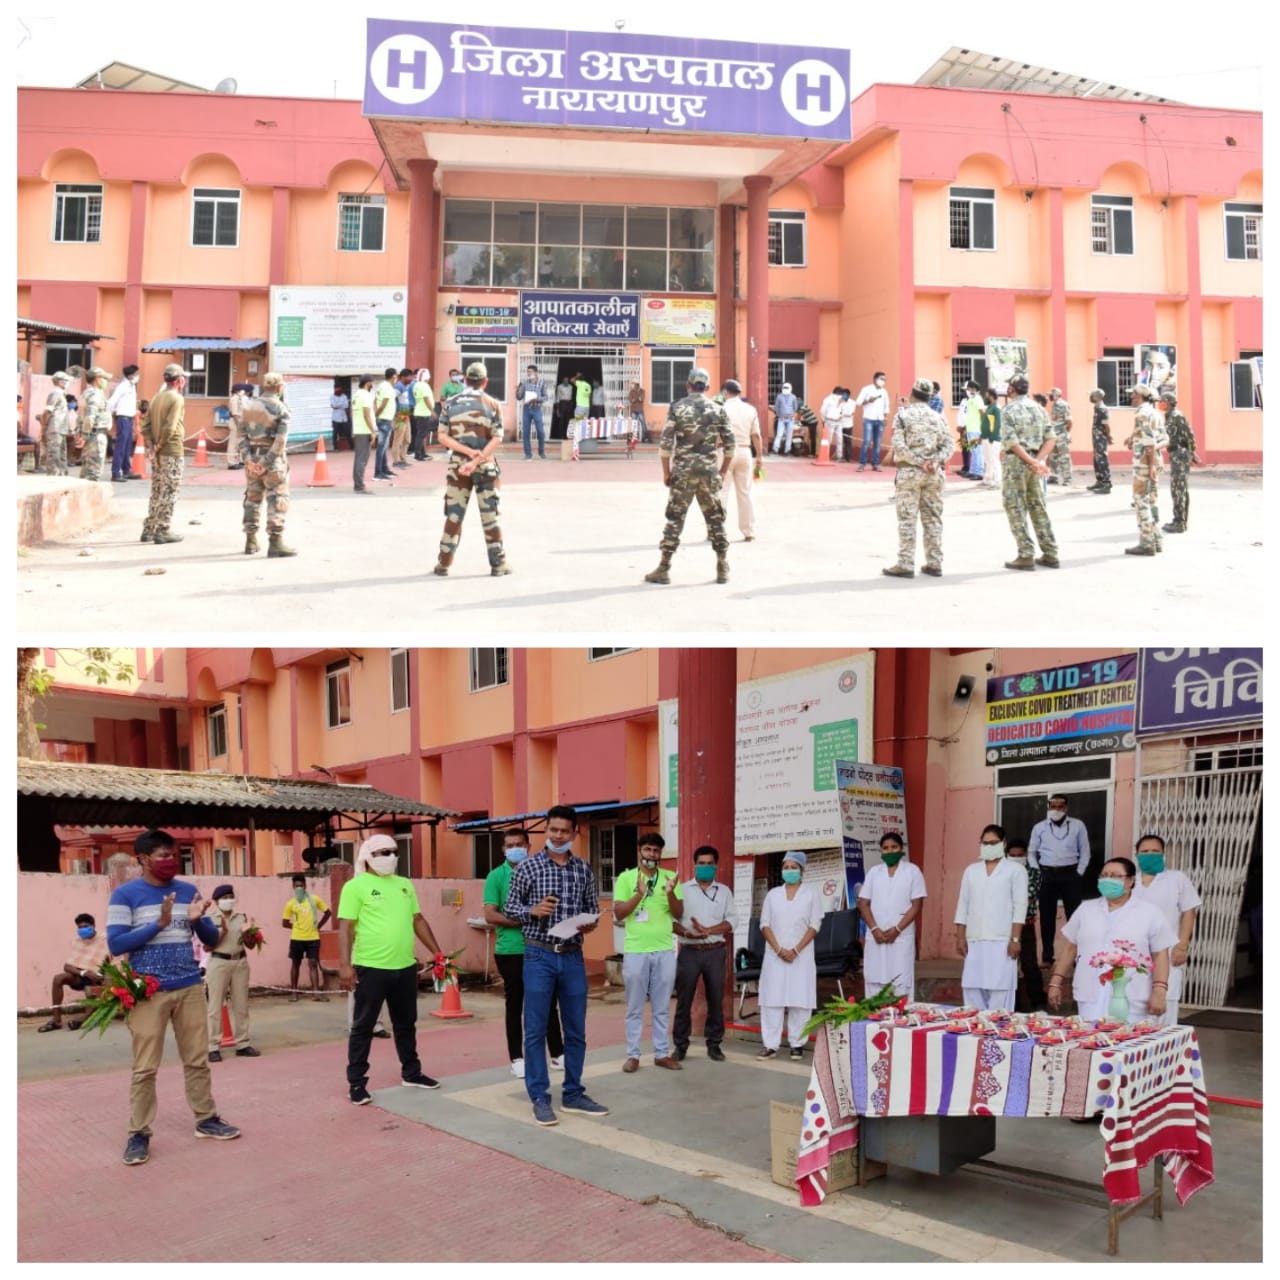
(299, 895)
(990, 852)
(227, 905)
(134, 379)
(560, 848)
(649, 864)
(791, 875)
(384, 864)
(704, 875)
(164, 868)
(86, 931)
(1057, 815)
(891, 859)
(1151, 864)
(517, 854)
(1111, 888)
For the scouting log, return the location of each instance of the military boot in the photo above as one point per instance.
(722, 566)
(251, 544)
(163, 535)
(500, 570)
(276, 547)
(1139, 551)
(660, 574)
(1022, 562)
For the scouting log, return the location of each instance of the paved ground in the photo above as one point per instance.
(679, 1171)
(583, 535)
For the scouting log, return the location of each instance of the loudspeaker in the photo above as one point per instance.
(964, 689)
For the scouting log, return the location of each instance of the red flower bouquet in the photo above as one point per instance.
(443, 970)
(251, 937)
(122, 988)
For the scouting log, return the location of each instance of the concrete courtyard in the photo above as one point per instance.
(582, 535)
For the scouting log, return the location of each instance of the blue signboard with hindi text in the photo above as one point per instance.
(580, 317)
(1187, 689)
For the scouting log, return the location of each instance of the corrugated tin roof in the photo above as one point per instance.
(45, 326)
(166, 345)
(972, 69)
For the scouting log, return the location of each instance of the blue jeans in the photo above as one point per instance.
(649, 975)
(122, 450)
(782, 437)
(380, 465)
(871, 433)
(532, 418)
(561, 977)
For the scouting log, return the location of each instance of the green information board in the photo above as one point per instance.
(831, 742)
(391, 331)
(673, 789)
(289, 331)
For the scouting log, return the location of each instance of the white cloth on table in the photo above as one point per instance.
(1095, 927)
(794, 985)
(891, 896)
(771, 1016)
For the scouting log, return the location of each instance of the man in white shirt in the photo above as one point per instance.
(744, 422)
(831, 424)
(1178, 901)
(989, 918)
(1059, 846)
(874, 401)
(122, 405)
(706, 939)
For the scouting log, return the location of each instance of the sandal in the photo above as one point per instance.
(50, 1026)
(76, 1025)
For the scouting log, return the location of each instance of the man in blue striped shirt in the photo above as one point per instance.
(150, 920)
(1059, 847)
(547, 888)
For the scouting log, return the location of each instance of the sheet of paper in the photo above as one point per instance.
(567, 928)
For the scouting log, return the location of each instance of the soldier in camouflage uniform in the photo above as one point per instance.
(1182, 453)
(1101, 441)
(471, 430)
(695, 427)
(1060, 462)
(1147, 440)
(1028, 439)
(264, 435)
(56, 423)
(921, 445)
(162, 433)
(96, 427)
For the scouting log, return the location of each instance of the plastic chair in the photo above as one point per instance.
(747, 965)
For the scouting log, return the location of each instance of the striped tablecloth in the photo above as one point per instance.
(1150, 1092)
(603, 429)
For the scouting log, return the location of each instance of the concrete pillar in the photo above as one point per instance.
(168, 738)
(420, 319)
(132, 346)
(520, 727)
(138, 744)
(758, 291)
(1057, 294)
(1195, 326)
(279, 235)
(726, 293)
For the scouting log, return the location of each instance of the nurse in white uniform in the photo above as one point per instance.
(889, 902)
(989, 918)
(1176, 896)
(789, 921)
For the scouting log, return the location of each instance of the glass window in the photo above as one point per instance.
(77, 212)
(60, 356)
(513, 266)
(337, 681)
(692, 228)
(647, 269)
(604, 224)
(514, 223)
(488, 669)
(493, 355)
(362, 223)
(970, 361)
(691, 273)
(1111, 225)
(669, 369)
(786, 366)
(647, 228)
(399, 680)
(1246, 381)
(1115, 376)
(215, 217)
(486, 853)
(559, 268)
(602, 269)
(466, 264)
(560, 224)
(786, 237)
(208, 374)
(468, 220)
(973, 218)
(1244, 231)
(217, 720)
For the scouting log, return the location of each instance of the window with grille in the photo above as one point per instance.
(208, 374)
(493, 355)
(973, 218)
(488, 669)
(77, 212)
(1112, 225)
(217, 721)
(669, 369)
(215, 217)
(786, 366)
(362, 223)
(1115, 375)
(337, 688)
(1246, 381)
(486, 853)
(222, 862)
(399, 680)
(613, 851)
(61, 356)
(970, 361)
(597, 655)
(786, 238)
(1244, 230)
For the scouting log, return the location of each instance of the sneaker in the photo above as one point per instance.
(215, 1055)
(421, 1082)
(360, 1095)
(138, 1149)
(543, 1114)
(216, 1127)
(381, 1033)
(767, 1053)
(797, 1052)
(584, 1106)
(517, 1068)
(248, 1052)
(558, 1063)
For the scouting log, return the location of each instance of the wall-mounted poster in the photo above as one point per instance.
(1005, 357)
(1156, 364)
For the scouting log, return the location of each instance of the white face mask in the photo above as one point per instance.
(560, 848)
(1057, 815)
(384, 864)
(991, 852)
(227, 904)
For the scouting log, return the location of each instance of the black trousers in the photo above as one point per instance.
(1057, 884)
(693, 963)
(512, 970)
(399, 989)
(1032, 980)
(417, 441)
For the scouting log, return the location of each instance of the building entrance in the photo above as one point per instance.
(615, 367)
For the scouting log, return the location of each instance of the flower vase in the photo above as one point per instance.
(439, 984)
(1118, 1006)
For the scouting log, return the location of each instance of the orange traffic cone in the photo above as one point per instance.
(320, 476)
(227, 1038)
(823, 457)
(140, 460)
(451, 1004)
(202, 451)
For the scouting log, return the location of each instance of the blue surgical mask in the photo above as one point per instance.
(791, 875)
(704, 874)
(560, 848)
(1110, 888)
(86, 931)
(517, 854)
(1151, 864)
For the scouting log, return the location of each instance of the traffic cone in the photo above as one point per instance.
(823, 457)
(228, 1040)
(451, 1004)
(320, 476)
(140, 460)
(202, 451)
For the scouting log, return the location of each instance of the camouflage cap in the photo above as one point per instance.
(1019, 384)
(61, 376)
(272, 379)
(1168, 396)
(478, 371)
(174, 371)
(1097, 394)
(699, 378)
(97, 372)
(924, 387)
(1056, 392)
(1145, 392)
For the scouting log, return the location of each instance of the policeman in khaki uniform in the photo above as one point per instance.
(1060, 462)
(96, 425)
(471, 430)
(264, 435)
(694, 428)
(921, 445)
(55, 422)
(1182, 453)
(1027, 438)
(1147, 440)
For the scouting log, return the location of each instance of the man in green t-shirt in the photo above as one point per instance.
(646, 901)
(581, 396)
(378, 918)
(508, 952)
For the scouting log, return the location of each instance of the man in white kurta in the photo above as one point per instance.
(792, 916)
(889, 902)
(989, 918)
(1178, 900)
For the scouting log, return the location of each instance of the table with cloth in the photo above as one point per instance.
(604, 429)
(1150, 1090)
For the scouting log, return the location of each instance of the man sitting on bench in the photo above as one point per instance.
(82, 972)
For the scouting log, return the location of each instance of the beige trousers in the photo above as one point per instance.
(741, 466)
(228, 981)
(147, 1023)
(399, 448)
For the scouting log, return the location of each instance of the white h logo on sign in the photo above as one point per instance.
(814, 92)
(406, 69)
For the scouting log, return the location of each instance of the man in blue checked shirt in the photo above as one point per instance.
(150, 920)
(546, 888)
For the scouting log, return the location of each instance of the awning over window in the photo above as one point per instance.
(45, 329)
(599, 809)
(205, 344)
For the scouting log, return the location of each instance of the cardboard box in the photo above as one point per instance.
(784, 1133)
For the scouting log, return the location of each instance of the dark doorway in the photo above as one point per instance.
(591, 368)
(1018, 814)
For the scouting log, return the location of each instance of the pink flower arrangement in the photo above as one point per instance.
(1124, 959)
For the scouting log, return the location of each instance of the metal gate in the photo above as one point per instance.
(1204, 798)
(620, 367)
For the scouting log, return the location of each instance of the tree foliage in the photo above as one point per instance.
(35, 680)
